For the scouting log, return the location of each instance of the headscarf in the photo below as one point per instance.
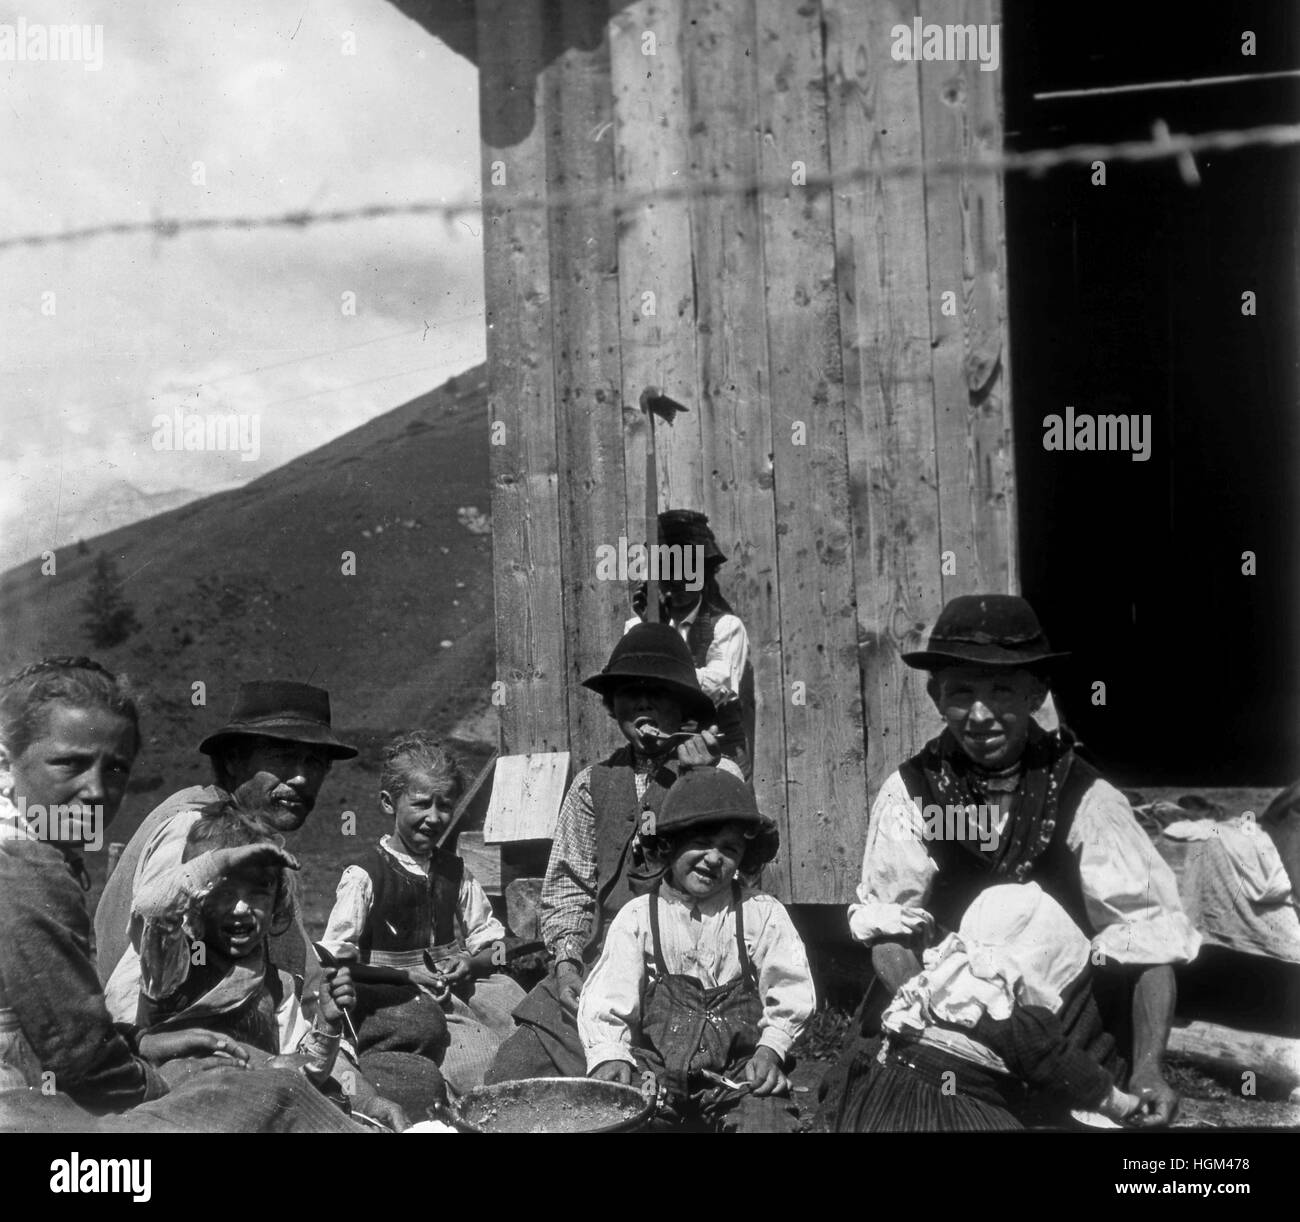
(1015, 946)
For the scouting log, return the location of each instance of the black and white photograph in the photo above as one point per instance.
(651, 566)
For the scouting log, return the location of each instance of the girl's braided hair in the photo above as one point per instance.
(80, 682)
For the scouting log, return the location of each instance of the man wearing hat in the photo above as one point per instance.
(712, 631)
(995, 799)
(650, 689)
(280, 740)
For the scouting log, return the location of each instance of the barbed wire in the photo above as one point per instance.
(1162, 147)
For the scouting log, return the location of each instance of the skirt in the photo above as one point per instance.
(926, 1091)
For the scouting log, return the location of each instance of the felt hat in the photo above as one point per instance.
(690, 528)
(275, 708)
(703, 796)
(655, 653)
(986, 630)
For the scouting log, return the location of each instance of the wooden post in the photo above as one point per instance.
(530, 636)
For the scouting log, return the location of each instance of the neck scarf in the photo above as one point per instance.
(953, 779)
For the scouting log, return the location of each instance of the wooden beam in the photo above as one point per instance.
(530, 637)
(825, 748)
(588, 376)
(1274, 1059)
(731, 344)
(656, 290)
(875, 117)
(960, 119)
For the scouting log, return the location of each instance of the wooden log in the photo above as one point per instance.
(874, 117)
(588, 380)
(731, 345)
(656, 293)
(523, 908)
(959, 120)
(1274, 1059)
(530, 638)
(825, 748)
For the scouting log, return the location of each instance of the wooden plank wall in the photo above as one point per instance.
(786, 317)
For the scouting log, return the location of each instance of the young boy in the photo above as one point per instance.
(650, 689)
(713, 633)
(703, 978)
(414, 909)
(231, 894)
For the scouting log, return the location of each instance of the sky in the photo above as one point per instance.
(287, 105)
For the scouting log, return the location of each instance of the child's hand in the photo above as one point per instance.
(339, 994)
(253, 857)
(1120, 1106)
(764, 1070)
(613, 1071)
(160, 1046)
(433, 982)
(701, 750)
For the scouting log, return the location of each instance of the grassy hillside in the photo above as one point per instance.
(248, 584)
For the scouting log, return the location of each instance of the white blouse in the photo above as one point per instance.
(1130, 893)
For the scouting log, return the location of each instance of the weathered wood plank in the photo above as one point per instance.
(874, 117)
(588, 379)
(527, 791)
(731, 343)
(530, 638)
(959, 118)
(1274, 1059)
(656, 290)
(825, 748)
(483, 860)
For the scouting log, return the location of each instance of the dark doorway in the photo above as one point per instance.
(1127, 298)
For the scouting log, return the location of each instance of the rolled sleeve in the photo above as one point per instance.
(350, 915)
(724, 663)
(610, 1006)
(1129, 891)
(897, 872)
(785, 980)
(568, 900)
(482, 928)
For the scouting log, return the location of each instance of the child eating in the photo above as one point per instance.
(231, 894)
(1003, 1006)
(413, 909)
(703, 983)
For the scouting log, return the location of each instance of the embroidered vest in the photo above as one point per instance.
(964, 871)
(408, 912)
(617, 814)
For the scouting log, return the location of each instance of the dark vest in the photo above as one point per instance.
(408, 912)
(964, 871)
(617, 813)
(252, 1023)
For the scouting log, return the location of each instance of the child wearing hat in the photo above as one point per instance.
(414, 910)
(702, 983)
(1049, 818)
(649, 688)
(712, 631)
(985, 1022)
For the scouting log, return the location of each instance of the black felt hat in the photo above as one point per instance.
(986, 630)
(690, 528)
(655, 653)
(703, 796)
(275, 708)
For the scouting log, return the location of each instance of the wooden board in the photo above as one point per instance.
(959, 119)
(825, 747)
(483, 860)
(731, 345)
(875, 118)
(654, 255)
(527, 791)
(588, 378)
(530, 637)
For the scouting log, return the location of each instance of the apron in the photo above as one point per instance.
(686, 1027)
